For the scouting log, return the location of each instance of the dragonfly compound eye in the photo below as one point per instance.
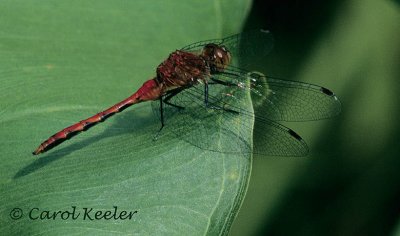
(217, 57)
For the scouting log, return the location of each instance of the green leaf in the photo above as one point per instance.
(62, 61)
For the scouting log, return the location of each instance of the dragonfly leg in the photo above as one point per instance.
(161, 119)
(168, 97)
(223, 109)
(161, 114)
(171, 94)
(206, 94)
(217, 81)
(207, 105)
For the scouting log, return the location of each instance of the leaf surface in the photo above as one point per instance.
(63, 61)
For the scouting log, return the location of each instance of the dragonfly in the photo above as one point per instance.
(199, 94)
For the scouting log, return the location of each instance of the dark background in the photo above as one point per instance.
(350, 182)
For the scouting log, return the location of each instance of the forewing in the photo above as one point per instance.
(244, 47)
(283, 100)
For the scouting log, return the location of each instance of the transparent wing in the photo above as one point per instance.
(282, 100)
(244, 47)
(224, 115)
(274, 98)
(226, 118)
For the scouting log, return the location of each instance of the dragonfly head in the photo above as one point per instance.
(217, 57)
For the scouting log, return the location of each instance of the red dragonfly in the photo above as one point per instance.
(198, 91)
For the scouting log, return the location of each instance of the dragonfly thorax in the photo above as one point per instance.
(181, 69)
(217, 57)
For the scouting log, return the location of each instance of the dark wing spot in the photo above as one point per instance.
(294, 134)
(327, 91)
